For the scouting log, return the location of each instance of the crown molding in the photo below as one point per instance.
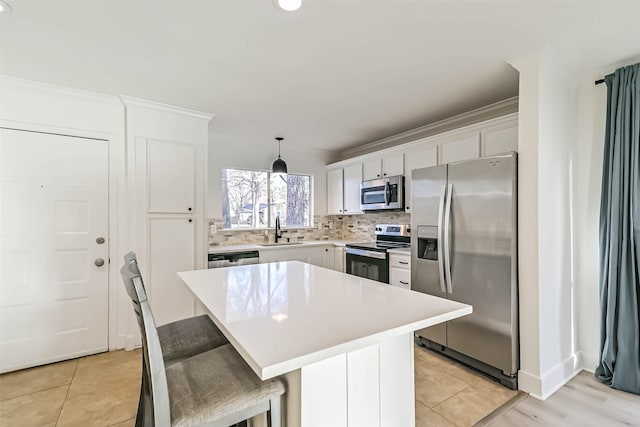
(487, 112)
(130, 101)
(53, 88)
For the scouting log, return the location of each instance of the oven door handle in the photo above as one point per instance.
(365, 253)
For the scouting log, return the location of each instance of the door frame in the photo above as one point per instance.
(116, 191)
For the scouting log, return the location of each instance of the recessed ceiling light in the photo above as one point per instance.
(289, 5)
(4, 6)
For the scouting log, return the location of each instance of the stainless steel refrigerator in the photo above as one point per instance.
(464, 248)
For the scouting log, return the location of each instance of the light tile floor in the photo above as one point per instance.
(449, 394)
(102, 390)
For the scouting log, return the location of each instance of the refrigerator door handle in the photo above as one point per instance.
(447, 239)
(443, 192)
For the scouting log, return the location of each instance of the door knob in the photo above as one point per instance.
(99, 262)
(100, 240)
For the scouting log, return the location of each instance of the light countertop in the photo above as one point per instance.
(259, 247)
(282, 316)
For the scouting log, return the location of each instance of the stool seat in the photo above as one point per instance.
(187, 337)
(216, 385)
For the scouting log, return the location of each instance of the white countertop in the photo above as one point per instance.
(282, 316)
(259, 247)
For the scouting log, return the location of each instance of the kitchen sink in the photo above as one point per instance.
(280, 244)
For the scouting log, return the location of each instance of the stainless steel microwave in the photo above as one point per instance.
(382, 194)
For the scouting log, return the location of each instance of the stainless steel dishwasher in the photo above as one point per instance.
(232, 259)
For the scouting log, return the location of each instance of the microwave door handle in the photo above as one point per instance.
(386, 193)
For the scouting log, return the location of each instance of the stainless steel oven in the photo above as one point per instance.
(371, 259)
(368, 264)
(382, 194)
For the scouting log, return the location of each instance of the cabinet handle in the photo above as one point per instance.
(378, 175)
(326, 250)
(189, 209)
(403, 262)
(404, 283)
(339, 210)
(190, 220)
(345, 210)
(384, 174)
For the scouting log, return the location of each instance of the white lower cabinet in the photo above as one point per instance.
(339, 261)
(321, 256)
(400, 270)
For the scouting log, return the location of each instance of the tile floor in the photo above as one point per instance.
(448, 394)
(102, 390)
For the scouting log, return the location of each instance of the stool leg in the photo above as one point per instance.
(275, 413)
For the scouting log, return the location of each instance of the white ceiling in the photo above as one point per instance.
(333, 75)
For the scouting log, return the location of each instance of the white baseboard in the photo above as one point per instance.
(552, 380)
(530, 383)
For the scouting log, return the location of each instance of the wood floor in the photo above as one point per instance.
(582, 402)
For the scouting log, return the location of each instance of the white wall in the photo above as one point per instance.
(227, 153)
(546, 124)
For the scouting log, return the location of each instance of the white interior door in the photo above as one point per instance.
(53, 210)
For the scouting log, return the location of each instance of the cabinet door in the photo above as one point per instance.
(393, 165)
(329, 253)
(499, 140)
(461, 149)
(171, 249)
(334, 191)
(171, 177)
(417, 160)
(338, 263)
(372, 169)
(352, 181)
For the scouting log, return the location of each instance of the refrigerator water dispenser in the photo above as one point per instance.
(428, 242)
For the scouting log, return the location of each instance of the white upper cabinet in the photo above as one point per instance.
(499, 140)
(464, 148)
(393, 165)
(488, 138)
(352, 181)
(372, 169)
(343, 190)
(416, 160)
(390, 165)
(335, 192)
(171, 177)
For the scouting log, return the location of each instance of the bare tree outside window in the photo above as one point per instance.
(246, 202)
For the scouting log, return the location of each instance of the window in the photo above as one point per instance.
(253, 199)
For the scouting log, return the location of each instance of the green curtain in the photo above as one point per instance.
(619, 365)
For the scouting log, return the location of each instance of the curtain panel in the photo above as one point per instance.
(619, 365)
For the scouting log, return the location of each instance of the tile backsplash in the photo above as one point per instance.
(353, 228)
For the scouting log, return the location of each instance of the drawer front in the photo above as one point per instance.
(400, 277)
(400, 261)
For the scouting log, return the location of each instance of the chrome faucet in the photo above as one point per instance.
(278, 230)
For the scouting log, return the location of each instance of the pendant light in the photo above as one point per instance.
(279, 166)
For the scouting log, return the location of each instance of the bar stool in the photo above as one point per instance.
(182, 338)
(216, 388)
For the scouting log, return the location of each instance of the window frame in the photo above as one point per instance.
(269, 226)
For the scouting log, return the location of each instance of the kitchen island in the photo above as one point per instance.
(344, 343)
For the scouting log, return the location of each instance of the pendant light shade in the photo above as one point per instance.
(279, 166)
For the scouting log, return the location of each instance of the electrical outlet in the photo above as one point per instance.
(331, 225)
(212, 229)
